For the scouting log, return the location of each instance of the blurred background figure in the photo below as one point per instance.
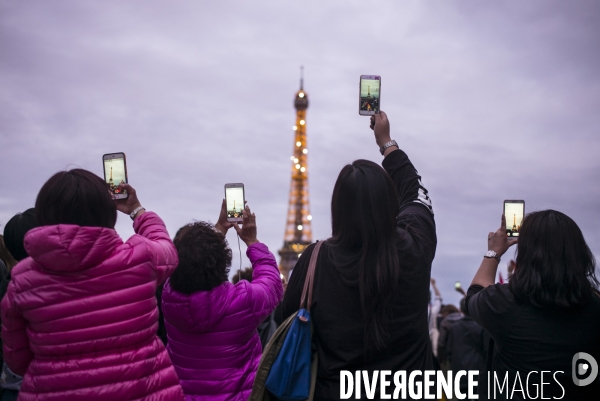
(434, 309)
(449, 314)
(211, 323)
(465, 346)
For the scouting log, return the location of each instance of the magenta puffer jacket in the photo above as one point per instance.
(79, 319)
(212, 337)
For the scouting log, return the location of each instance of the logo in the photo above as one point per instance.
(590, 366)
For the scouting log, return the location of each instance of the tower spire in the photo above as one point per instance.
(298, 232)
(301, 77)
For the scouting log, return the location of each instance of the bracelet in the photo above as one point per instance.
(388, 145)
(135, 212)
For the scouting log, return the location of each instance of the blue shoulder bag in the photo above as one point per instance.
(290, 376)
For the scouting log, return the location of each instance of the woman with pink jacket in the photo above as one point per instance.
(79, 319)
(211, 323)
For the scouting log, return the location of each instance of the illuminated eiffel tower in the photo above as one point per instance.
(298, 232)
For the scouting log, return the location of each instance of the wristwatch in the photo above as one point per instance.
(491, 254)
(387, 145)
(135, 211)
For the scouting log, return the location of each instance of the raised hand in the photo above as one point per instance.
(222, 224)
(498, 241)
(131, 203)
(381, 127)
(248, 231)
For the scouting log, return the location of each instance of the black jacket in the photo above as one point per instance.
(336, 311)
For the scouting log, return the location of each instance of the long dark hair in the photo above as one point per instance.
(364, 206)
(555, 267)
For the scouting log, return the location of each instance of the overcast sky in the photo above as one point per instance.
(490, 100)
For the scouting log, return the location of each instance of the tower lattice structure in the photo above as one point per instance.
(298, 232)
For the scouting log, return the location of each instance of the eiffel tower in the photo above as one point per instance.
(298, 232)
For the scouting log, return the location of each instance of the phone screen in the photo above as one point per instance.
(234, 196)
(514, 211)
(370, 86)
(115, 173)
(457, 285)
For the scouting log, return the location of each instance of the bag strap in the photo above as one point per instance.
(310, 275)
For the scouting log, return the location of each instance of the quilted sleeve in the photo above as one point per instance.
(265, 291)
(153, 229)
(17, 353)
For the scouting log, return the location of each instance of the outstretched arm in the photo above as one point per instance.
(499, 243)
(415, 219)
(399, 167)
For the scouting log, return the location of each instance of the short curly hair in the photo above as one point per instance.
(204, 258)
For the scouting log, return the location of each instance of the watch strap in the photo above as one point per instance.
(387, 145)
(136, 211)
(492, 255)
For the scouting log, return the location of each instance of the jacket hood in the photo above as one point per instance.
(67, 247)
(200, 311)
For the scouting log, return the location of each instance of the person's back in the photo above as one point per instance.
(547, 314)
(342, 330)
(212, 324)
(528, 338)
(79, 319)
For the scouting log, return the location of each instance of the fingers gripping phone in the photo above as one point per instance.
(369, 95)
(235, 199)
(514, 211)
(115, 173)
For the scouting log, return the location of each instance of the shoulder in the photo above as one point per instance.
(259, 251)
(493, 300)
(25, 274)
(498, 292)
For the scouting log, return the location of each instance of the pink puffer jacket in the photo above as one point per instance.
(79, 319)
(212, 337)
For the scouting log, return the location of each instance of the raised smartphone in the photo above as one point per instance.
(115, 173)
(235, 200)
(457, 285)
(514, 211)
(369, 91)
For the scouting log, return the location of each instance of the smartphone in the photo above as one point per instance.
(369, 95)
(115, 173)
(235, 200)
(514, 211)
(457, 285)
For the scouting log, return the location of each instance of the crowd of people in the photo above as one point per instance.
(88, 316)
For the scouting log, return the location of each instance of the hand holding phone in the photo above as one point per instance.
(247, 232)
(498, 241)
(381, 128)
(222, 224)
(129, 204)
